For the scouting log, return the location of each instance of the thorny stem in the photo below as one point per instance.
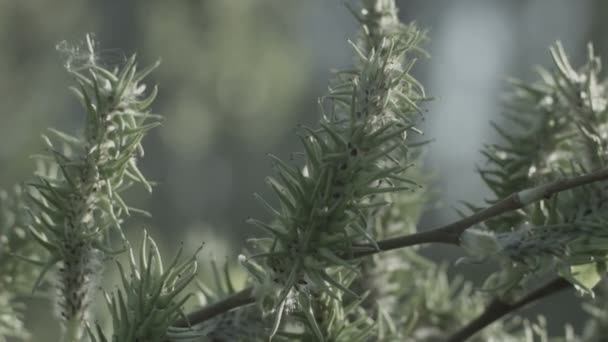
(499, 308)
(448, 234)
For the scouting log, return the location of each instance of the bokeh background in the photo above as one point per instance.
(238, 76)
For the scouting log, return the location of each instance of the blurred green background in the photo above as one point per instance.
(238, 76)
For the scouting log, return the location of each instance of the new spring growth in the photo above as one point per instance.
(151, 297)
(73, 212)
(358, 152)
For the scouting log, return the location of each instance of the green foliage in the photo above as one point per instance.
(74, 210)
(324, 317)
(358, 153)
(151, 296)
(563, 117)
(357, 187)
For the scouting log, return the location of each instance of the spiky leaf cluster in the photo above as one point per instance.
(379, 271)
(358, 153)
(74, 211)
(323, 317)
(327, 316)
(563, 118)
(151, 297)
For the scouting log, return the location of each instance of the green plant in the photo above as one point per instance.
(324, 271)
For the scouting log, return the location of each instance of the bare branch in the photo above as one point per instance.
(498, 308)
(241, 298)
(450, 233)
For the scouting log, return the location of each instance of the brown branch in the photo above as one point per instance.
(241, 298)
(498, 308)
(448, 234)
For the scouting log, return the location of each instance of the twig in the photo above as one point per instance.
(498, 308)
(241, 298)
(448, 234)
